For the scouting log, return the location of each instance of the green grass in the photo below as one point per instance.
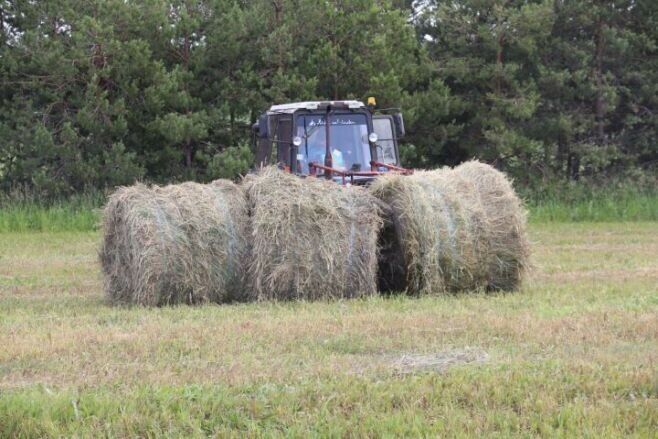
(606, 201)
(59, 218)
(599, 208)
(574, 353)
(82, 214)
(462, 402)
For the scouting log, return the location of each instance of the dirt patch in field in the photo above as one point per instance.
(438, 362)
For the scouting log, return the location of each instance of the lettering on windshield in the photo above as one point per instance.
(322, 122)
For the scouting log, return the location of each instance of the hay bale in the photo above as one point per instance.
(176, 244)
(438, 234)
(434, 234)
(509, 248)
(311, 239)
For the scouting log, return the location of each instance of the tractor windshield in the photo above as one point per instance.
(348, 139)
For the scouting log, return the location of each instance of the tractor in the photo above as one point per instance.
(345, 141)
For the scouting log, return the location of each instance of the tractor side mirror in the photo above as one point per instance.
(263, 129)
(399, 125)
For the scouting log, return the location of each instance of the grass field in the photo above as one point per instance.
(574, 353)
(82, 213)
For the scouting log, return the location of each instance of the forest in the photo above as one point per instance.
(95, 94)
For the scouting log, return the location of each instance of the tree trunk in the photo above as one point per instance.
(278, 9)
(4, 36)
(188, 155)
(561, 157)
(598, 77)
(186, 62)
(278, 18)
(499, 62)
(232, 125)
(573, 167)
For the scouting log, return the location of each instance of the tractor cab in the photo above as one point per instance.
(341, 140)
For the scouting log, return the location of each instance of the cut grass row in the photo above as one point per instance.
(83, 214)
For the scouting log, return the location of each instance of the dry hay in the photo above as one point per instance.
(447, 230)
(183, 243)
(509, 249)
(311, 238)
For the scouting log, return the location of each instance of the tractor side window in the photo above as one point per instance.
(283, 139)
(386, 144)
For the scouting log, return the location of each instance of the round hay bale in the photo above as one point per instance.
(439, 235)
(465, 234)
(311, 238)
(182, 243)
(506, 216)
(433, 236)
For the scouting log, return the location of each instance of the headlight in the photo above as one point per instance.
(372, 137)
(296, 140)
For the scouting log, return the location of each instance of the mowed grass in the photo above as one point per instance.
(575, 353)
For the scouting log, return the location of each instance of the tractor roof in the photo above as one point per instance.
(313, 105)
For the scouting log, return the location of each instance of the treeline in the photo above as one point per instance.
(100, 93)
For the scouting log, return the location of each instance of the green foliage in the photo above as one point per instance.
(546, 88)
(231, 163)
(95, 94)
